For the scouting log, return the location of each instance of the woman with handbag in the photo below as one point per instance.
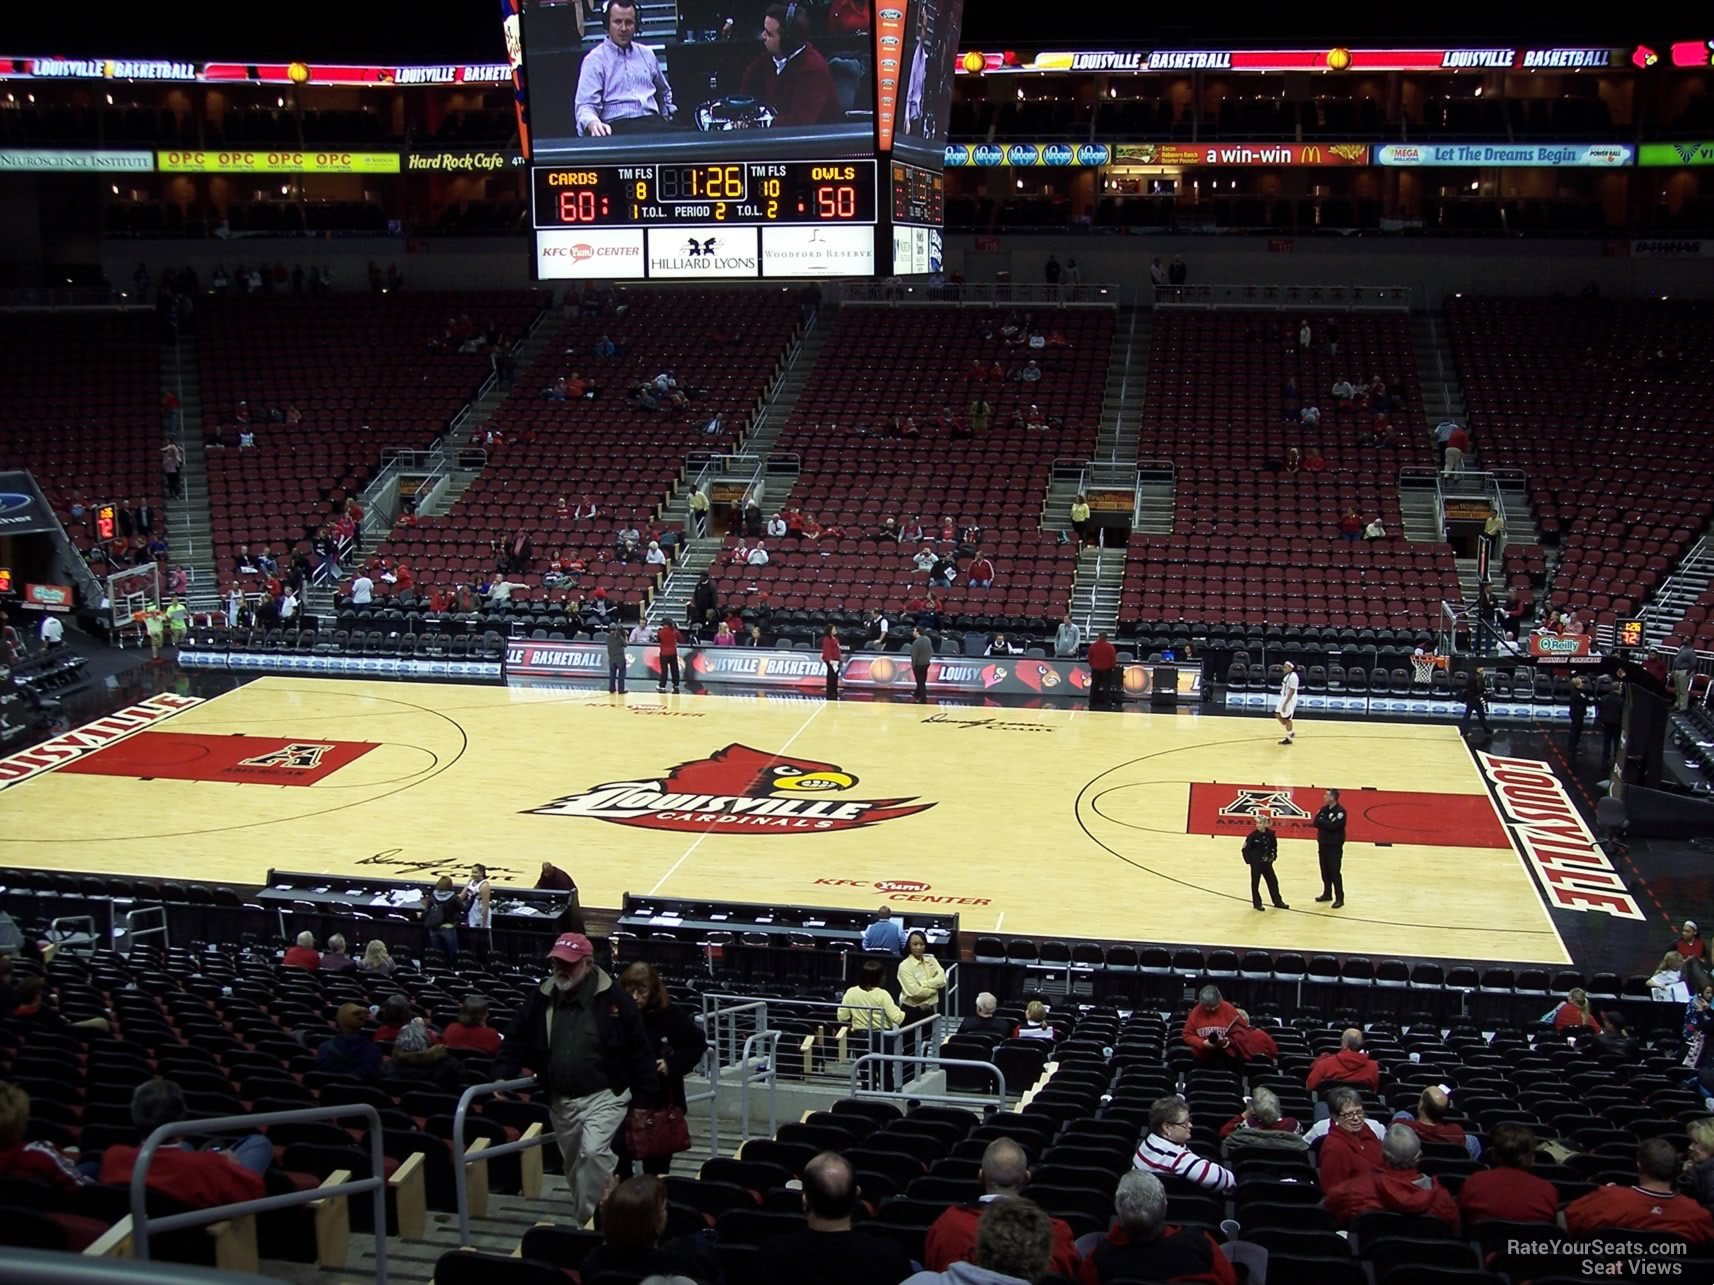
(655, 1129)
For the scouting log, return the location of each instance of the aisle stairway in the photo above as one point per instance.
(189, 526)
(778, 406)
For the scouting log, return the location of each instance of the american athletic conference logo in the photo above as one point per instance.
(736, 789)
(1276, 804)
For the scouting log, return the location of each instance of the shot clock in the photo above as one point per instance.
(741, 193)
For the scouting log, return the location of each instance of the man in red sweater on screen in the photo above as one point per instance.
(1350, 1147)
(1509, 1190)
(790, 75)
(1652, 1204)
(1346, 1065)
(1397, 1187)
(201, 1179)
(1005, 1172)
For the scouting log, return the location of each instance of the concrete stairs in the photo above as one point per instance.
(672, 599)
(1096, 591)
(1156, 506)
(1127, 377)
(190, 529)
(1421, 511)
(782, 399)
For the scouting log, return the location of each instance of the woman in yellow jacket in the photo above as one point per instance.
(867, 1007)
(921, 980)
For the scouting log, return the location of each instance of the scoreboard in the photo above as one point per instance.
(718, 219)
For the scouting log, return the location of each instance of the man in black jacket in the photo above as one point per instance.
(1475, 704)
(582, 1036)
(1579, 712)
(1261, 848)
(1612, 710)
(1330, 846)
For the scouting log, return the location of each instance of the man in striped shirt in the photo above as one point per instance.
(1165, 1148)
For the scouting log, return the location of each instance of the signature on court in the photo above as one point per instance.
(394, 859)
(992, 724)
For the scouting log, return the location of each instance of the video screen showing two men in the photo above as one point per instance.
(745, 78)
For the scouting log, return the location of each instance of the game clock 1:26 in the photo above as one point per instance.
(738, 192)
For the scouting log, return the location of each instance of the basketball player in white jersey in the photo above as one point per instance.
(1288, 701)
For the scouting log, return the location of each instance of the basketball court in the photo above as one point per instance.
(1027, 821)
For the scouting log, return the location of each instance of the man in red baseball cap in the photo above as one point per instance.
(583, 1038)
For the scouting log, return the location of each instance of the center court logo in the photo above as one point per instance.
(736, 789)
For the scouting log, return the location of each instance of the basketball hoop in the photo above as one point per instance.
(1423, 667)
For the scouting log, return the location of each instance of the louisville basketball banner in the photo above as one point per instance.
(737, 789)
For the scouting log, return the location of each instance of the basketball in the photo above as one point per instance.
(1136, 679)
(298, 73)
(884, 670)
(973, 63)
(1339, 58)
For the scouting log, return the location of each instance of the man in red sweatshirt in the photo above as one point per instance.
(667, 639)
(830, 657)
(1431, 1125)
(1396, 1187)
(1141, 1246)
(1207, 1027)
(1652, 1204)
(201, 1179)
(1350, 1147)
(1005, 1172)
(1103, 668)
(1508, 1190)
(1347, 1065)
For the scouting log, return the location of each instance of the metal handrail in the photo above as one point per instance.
(460, 1179)
(985, 295)
(132, 933)
(749, 1072)
(376, 1183)
(999, 1096)
(1345, 298)
(55, 930)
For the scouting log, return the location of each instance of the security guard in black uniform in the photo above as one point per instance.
(1261, 848)
(1330, 846)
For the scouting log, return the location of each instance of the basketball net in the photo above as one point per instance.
(1423, 667)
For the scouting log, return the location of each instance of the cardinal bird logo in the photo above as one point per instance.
(737, 790)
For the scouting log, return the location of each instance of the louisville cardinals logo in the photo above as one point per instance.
(740, 790)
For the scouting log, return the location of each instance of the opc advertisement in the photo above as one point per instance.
(266, 162)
